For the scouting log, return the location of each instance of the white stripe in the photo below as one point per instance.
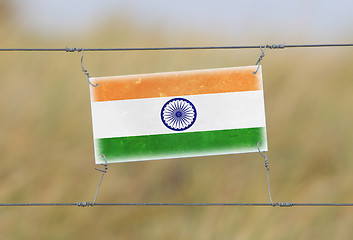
(138, 117)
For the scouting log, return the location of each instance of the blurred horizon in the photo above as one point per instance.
(232, 22)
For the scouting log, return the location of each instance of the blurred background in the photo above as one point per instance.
(46, 136)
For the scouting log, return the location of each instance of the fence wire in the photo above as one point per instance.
(268, 46)
(88, 204)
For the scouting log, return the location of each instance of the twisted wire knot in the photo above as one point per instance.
(267, 164)
(276, 46)
(260, 59)
(85, 71)
(283, 204)
(68, 49)
(273, 46)
(84, 204)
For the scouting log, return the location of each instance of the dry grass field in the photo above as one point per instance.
(47, 149)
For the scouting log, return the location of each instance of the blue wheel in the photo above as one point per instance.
(178, 114)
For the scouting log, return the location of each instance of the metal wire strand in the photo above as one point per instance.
(83, 69)
(263, 154)
(86, 204)
(271, 46)
(260, 59)
(103, 172)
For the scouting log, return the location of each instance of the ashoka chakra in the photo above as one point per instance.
(178, 114)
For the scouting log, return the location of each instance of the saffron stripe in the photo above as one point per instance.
(151, 147)
(176, 84)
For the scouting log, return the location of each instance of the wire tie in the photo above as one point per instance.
(85, 71)
(84, 204)
(285, 204)
(103, 172)
(263, 154)
(105, 164)
(260, 58)
(276, 46)
(68, 49)
(273, 46)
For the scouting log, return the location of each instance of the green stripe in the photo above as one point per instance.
(181, 144)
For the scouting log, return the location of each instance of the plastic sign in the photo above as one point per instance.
(178, 114)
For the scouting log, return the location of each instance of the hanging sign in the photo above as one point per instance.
(178, 114)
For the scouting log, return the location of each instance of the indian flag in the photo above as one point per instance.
(178, 114)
